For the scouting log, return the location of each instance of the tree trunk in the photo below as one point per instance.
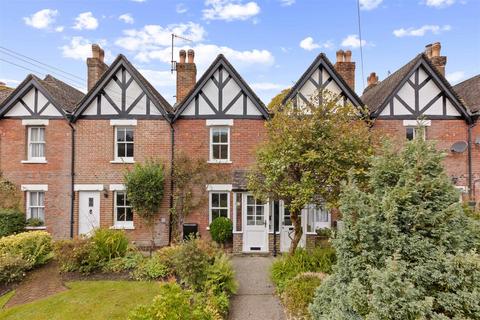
(297, 227)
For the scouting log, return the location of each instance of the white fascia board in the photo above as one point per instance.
(415, 123)
(123, 122)
(88, 187)
(219, 122)
(34, 187)
(219, 187)
(35, 122)
(117, 187)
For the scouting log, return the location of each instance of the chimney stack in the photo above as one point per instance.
(345, 67)
(96, 66)
(186, 74)
(372, 79)
(432, 51)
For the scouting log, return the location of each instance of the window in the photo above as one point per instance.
(219, 144)
(124, 143)
(219, 205)
(36, 205)
(255, 212)
(317, 218)
(123, 211)
(36, 143)
(412, 132)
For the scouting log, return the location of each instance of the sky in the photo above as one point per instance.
(270, 42)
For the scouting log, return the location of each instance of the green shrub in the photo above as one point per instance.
(12, 268)
(221, 230)
(130, 261)
(299, 293)
(287, 267)
(109, 244)
(34, 222)
(151, 269)
(324, 232)
(34, 247)
(221, 277)
(11, 221)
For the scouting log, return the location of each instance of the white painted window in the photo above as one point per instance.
(220, 144)
(124, 143)
(36, 205)
(219, 205)
(412, 132)
(255, 211)
(123, 211)
(36, 143)
(317, 217)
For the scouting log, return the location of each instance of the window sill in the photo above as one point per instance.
(33, 161)
(123, 161)
(36, 228)
(219, 161)
(122, 227)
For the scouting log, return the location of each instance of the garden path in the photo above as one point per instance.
(38, 284)
(256, 297)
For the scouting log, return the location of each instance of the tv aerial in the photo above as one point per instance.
(174, 62)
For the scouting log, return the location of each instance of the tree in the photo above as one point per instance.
(10, 194)
(308, 154)
(188, 175)
(145, 186)
(276, 101)
(407, 249)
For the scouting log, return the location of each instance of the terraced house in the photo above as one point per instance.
(68, 151)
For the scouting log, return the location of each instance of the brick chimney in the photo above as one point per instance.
(96, 66)
(372, 79)
(186, 74)
(345, 67)
(432, 51)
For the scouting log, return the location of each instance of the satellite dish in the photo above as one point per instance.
(459, 147)
(477, 140)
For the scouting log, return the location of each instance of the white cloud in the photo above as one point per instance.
(369, 4)
(420, 32)
(85, 20)
(78, 48)
(230, 10)
(159, 78)
(309, 45)
(267, 86)
(353, 41)
(439, 3)
(181, 8)
(59, 28)
(455, 77)
(10, 82)
(42, 19)
(127, 18)
(287, 3)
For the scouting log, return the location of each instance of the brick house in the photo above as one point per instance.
(35, 149)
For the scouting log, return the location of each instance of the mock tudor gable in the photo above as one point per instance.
(221, 93)
(415, 90)
(122, 92)
(321, 75)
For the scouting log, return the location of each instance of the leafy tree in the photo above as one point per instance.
(145, 187)
(407, 249)
(308, 154)
(10, 194)
(276, 101)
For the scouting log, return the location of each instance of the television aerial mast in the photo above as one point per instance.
(174, 63)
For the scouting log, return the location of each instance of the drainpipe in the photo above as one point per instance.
(471, 187)
(72, 177)
(172, 157)
(274, 229)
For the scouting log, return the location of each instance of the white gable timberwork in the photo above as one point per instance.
(320, 77)
(122, 93)
(221, 93)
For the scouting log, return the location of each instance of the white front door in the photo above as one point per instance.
(89, 212)
(287, 231)
(255, 229)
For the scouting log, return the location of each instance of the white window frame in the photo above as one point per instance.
(116, 223)
(211, 143)
(210, 207)
(317, 224)
(118, 159)
(415, 132)
(28, 206)
(255, 205)
(30, 158)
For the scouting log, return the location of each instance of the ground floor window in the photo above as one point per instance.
(219, 205)
(317, 217)
(255, 211)
(123, 210)
(36, 205)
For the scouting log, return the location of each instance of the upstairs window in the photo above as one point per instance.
(124, 139)
(219, 144)
(36, 143)
(412, 132)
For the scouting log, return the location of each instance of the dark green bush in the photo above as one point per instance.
(12, 268)
(299, 293)
(221, 230)
(11, 221)
(287, 267)
(109, 244)
(221, 277)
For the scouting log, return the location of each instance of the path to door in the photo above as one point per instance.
(255, 298)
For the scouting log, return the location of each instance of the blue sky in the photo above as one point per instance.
(270, 42)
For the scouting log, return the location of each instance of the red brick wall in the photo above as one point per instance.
(192, 137)
(476, 162)
(55, 173)
(94, 151)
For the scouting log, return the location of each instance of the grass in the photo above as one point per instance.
(87, 300)
(4, 299)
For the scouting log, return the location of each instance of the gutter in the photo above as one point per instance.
(72, 177)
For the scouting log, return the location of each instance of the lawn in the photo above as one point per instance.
(86, 300)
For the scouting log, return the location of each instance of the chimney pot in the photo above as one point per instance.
(191, 55)
(348, 56)
(182, 56)
(346, 67)
(428, 50)
(436, 49)
(372, 79)
(433, 53)
(340, 56)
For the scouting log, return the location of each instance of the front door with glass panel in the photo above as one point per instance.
(255, 234)
(89, 212)
(287, 231)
